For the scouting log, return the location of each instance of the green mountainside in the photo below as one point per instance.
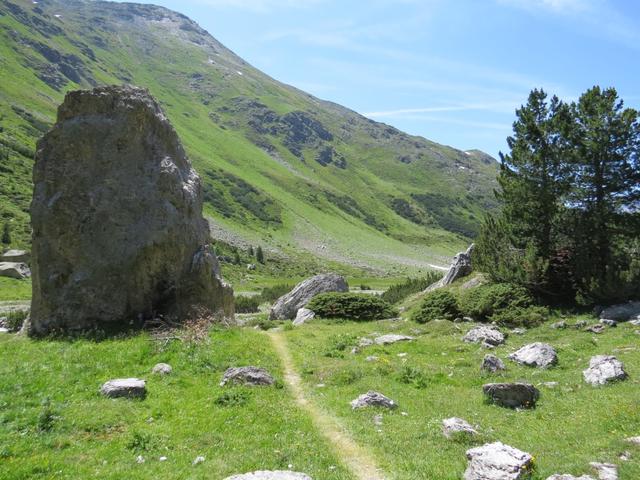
(280, 167)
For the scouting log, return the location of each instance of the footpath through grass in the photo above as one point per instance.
(439, 377)
(54, 424)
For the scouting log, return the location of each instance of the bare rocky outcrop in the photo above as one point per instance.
(538, 354)
(497, 461)
(460, 267)
(118, 231)
(373, 399)
(486, 335)
(287, 306)
(604, 369)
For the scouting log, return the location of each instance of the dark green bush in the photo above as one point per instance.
(351, 306)
(528, 317)
(439, 304)
(398, 292)
(247, 304)
(483, 302)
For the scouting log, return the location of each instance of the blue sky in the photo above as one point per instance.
(452, 71)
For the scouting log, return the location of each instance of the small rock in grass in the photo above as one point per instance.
(365, 342)
(491, 363)
(512, 395)
(634, 440)
(603, 369)
(139, 459)
(270, 475)
(373, 399)
(497, 461)
(453, 427)
(484, 334)
(549, 384)
(4, 330)
(124, 387)
(162, 369)
(625, 456)
(392, 338)
(247, 376)
(377, 420)
(580, 324)
(605, 471)
(163, 459)
(569, 477)
(519, 331)
(371, 358)
(597, 328)
(538, 354)
(199, 459)
(561, 325)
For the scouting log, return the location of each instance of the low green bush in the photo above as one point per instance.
(352, 306)
(399, 291)
(439, 304)
(246, 304)
(528, 317)
(483, 302)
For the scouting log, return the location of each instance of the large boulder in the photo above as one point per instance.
(15, 270)
(287, 306)
(486, 335)
(124, 387)
(512, 395)
(457, 428)
(15, 256)
(270, 475)
(604, 369)
(460, 267)
(497, 461)
(118, 231)
(538, 354)
(251, 375)
(622, 312)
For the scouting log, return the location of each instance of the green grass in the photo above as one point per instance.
(11, 289)
(573, 424)
(54, 424)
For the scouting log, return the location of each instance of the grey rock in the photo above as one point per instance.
(391, 338)
(460, 267)
(604, 369)
(162, 369)
(303, 316)
(452, 427)
(569, 477)
(247, 376)
(597, 328)
(365, 342)
(15, 256)
(608, 322)
(251, 266)
(491, 363)
(559, 325)
(512, 395)
(371, 358)
(287, 306)
(635, 323)
(605, 471)
(118, 231)
(15, 270)
(622, 312)
(485, 334)
(497, 461)
(580, 324)
(518, 331)
(124, 387)
(373, 399)
(4, 330)
(634, 440)
(538, 354)
(270, 475)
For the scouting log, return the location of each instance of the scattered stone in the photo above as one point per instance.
(460, 267)
(452, 427)
(303, 316)
(597, 328)
(162, 459)
(467, 319)
(391, 338)
(373, 399)
(118, 231)
(605, 471)
(16, 270)
(162, 369)
(538, 354)
(512, 395)
(198, 460)
(497, 461)
(15, 256)
(518, 331)
(365, 342)
(270, 475)
(247, 376)
(634, 440)
(603, 369)
(402, 355)
(287, 306)
(124, 387)
(561, 325)
(549, 384)
(485, 334)
(4, 330)
(491, 363)
(251, 266)
(569, 477)
(371, 358)
(625, 456)
(608, 322)
(580, 324)
(622, 312)
(139, 459)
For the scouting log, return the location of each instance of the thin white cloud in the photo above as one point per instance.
(498, 107)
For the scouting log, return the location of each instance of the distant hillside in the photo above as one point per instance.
(280, 167)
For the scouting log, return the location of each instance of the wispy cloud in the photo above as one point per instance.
(260, 6)
(498, 107)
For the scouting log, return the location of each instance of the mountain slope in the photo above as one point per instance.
(279, 166)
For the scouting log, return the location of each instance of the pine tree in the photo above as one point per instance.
(236, 258)
(6, 234)
(250, 251)
(259, 255)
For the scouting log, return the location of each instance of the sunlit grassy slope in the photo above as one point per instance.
(280, 167)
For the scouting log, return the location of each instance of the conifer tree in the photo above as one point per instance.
(259, 255)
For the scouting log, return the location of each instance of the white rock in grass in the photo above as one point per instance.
(391, 338)
(538, 354)
(124, 387)
(605, 471)
(162, 369)
(247, 376)
(454, 426)
(497, 461)
(199, 459)
(373, 399)
(603, 369)
(485, 334)
(491, 363)
(569, 477)
(270, 475)
(634, 440)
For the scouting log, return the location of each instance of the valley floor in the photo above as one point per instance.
(54, 424)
